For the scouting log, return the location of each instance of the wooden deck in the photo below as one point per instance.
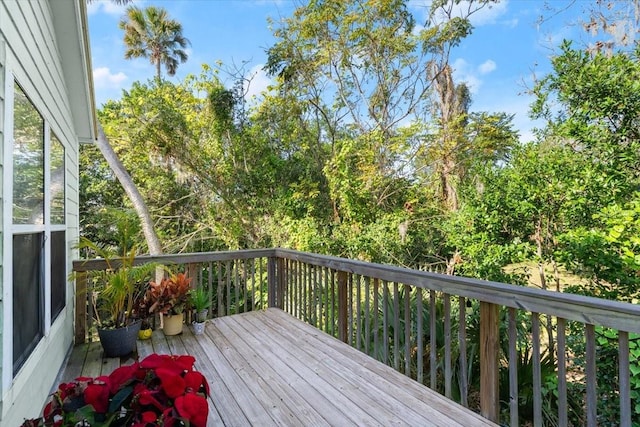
(267, 368)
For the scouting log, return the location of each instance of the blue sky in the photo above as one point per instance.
(498, 61)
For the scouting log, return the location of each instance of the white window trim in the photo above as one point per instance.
(9, 229)
(7, 235)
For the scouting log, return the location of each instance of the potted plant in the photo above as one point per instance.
(200, 302)
(169, 298)
(117, 292)
(159, 390)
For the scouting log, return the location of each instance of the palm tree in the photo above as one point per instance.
(149, 33)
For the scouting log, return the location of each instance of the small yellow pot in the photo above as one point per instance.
(145, 334)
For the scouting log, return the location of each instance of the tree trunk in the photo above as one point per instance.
(153, 242)
(449, 108)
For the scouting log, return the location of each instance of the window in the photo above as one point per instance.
(28, 161)
(38, 227)
(57, 182)
(28, 325)
(58, 272)
(58, 236)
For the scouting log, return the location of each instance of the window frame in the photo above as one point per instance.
(10, 229)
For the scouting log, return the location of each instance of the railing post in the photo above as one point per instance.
(81, 307)
(282, 282)
(342, 306)
(191, 270)
(489, 370)
(272, 281)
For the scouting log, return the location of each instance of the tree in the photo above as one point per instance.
(155, 248)
(592, 104)
(149, 33)
(151, 237)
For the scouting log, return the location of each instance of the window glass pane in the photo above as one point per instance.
(57, 181)
(58, 273)
(28, 161)
(27, 295)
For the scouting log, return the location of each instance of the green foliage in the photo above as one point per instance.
(117, 290)
(599, 97)
(199, 298)
(596, 104)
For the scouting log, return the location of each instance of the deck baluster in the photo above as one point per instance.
(433, 340)
(592, 399)
(419, 335)
(447, 345)
(462, 344)
(562, 373)
(489, 370)
(513, 369)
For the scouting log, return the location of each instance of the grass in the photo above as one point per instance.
(530, 269)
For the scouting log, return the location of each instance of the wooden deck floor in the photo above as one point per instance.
(266, 368)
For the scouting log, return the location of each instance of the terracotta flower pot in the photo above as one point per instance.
(172, 325)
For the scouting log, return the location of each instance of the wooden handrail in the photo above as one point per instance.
(589, 310)
(334, 294)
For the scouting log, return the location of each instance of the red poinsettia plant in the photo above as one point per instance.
(160, 390)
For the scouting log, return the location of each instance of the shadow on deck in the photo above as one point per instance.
(268, 368)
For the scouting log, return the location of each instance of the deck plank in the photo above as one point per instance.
(371, 396)
(233, 370)
(109, 364)
(393, 381)
(226, 406)
(144, 348)
(93, 362)
(189, 341)
(75, 363)
(267, 368)
(159, 341)
(290, 391)
(320, 393)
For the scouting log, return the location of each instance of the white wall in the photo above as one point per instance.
(32, 57)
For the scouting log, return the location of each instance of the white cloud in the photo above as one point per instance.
(463, 72)
(487, 15)
(104, 79)
(511, 23)
(487, 67)
(106, 6)
(258, 84)
(516, 104)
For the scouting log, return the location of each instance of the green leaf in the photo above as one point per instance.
(118, 400)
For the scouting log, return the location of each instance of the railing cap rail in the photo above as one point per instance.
(615, 314)
(590, 310)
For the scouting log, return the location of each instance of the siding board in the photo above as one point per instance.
(31, 52)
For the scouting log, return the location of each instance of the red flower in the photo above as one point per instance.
(97, 394)
(152, 361)
(194, 408)
(194, 380)
(185, 362)
(166, 390)
(122, 375)
(172, 384)
(146, 397)
(149, 417)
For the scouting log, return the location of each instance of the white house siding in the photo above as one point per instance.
(2, 133)
(32, 57)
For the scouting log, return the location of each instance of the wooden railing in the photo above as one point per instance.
(513, 353)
